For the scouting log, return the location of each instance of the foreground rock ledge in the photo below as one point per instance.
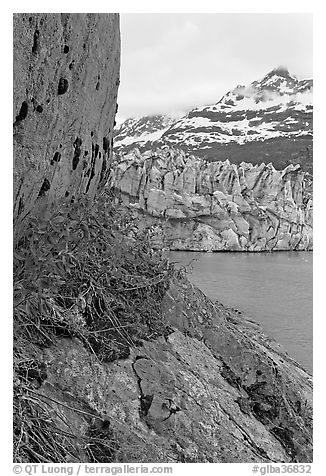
(214, 390)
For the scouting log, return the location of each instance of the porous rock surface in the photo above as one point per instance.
(66, 76)
(214, 390)
(211, 206)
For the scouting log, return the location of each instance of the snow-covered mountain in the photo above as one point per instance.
(142, 130)
(269, 120)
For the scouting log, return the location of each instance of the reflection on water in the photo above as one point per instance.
(273, 288)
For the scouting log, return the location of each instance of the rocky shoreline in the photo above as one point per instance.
(214, 389)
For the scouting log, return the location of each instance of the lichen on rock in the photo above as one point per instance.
(213, 390)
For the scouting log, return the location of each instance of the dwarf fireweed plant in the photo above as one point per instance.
(84, 270)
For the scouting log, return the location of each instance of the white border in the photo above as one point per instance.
(253, 6)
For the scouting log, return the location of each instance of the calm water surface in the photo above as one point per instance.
(273, 288)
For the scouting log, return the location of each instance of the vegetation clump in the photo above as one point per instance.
(83, 270)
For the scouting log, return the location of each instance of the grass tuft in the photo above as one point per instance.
(87, 271)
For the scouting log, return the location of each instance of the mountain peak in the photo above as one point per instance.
(279, 79)
(280, 71)
(274, 111)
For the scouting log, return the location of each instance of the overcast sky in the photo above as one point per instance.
(174, 62)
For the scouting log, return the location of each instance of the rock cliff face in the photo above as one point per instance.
(66, 76)
(215, 389)
(195, 205)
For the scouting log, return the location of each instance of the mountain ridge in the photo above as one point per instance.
(268, 120)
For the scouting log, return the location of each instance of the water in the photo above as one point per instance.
(275, 289)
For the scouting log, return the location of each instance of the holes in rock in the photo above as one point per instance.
(63, 86)
(92, 133)
(36, 42)
(145, 404)
(97, 148)
(45, 187)
(21, 206)
(67, 194)
(97, 87)
(23, 112)
(71, 65)
(106, 144)
(86, 153)
(66, 49)
(78, 142)
(56, 158)
(77, 146)
(84, 46)
(36, 107)
(116, 108)
(91, 172)
(48, 101)
(103, 171)
(75, 162)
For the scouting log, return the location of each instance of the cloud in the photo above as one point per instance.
(179, 61)
(181, 36)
